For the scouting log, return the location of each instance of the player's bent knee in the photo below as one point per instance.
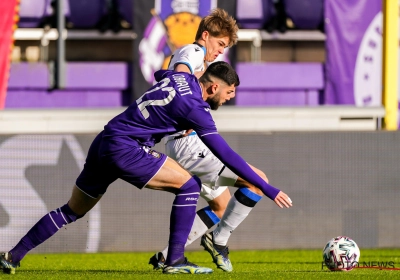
(241, 183)
(193, 184)
(221, 197)
(259, 173)
(255, 190)
(198, 181)
(262, 175)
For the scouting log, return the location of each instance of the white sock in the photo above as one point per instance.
(203, 221)
(239, 207)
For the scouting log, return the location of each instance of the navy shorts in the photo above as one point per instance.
(109, 159)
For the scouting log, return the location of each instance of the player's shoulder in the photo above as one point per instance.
(176, 77)
(162, 74)
(193, 49)
(182, 81)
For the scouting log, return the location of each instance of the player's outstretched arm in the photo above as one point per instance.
(283, 200)
(236, 163)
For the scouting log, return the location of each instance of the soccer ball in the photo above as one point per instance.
(341, 253)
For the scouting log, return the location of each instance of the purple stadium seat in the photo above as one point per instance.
(254, 14)
(31, 12)
(88, 85)
(125, 9)
(279, 84)
(86, 13)
(277, 98)
(29, 76)
(97, 75)
(305, 14)
(63, 99)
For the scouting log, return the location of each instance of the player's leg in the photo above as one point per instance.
(197, 158)
(238, 208)
(148, 168)
(217, 200)
(194, 156)
(210, 215)
(205, 219)
(46, 227)
(78, 205)
(173, 178)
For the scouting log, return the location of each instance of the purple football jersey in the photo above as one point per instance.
(174, 104)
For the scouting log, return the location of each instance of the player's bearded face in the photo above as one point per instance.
(215, 101)
(221, 94)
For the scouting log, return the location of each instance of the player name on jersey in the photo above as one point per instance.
(182, 84)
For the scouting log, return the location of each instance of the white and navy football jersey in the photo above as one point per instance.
(191, 55)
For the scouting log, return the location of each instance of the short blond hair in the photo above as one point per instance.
(219, 24)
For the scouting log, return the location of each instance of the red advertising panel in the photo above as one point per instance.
(8, 19)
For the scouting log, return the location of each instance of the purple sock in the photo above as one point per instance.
(45, 228)
(182, 216)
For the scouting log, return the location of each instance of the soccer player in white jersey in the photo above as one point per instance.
(216, 32)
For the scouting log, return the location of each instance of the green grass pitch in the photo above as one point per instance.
(272, 264)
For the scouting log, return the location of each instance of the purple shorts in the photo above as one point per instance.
(109, 159)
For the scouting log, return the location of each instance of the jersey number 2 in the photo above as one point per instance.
(160, 102)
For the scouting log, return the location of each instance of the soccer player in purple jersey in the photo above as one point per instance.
(216, 32)
(122, 150)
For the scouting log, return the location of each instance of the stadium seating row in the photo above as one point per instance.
(87, 85)
(102, 84)
(272, 14)
(279, 84)
(79, 13)
(255, 14)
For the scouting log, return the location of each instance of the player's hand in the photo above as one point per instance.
(282, 199)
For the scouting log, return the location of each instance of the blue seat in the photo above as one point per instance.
(305, 14)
